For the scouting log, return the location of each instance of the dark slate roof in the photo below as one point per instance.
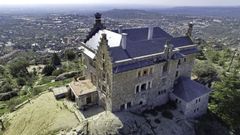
(188, 90)
(135, 65)
(189, 51)
(147, 47)
(139, 34)
(181, 41)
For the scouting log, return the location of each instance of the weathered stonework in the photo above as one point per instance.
(141, 86)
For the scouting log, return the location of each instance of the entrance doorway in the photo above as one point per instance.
(89, 100)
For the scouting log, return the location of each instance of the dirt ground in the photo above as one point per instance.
(43, 115)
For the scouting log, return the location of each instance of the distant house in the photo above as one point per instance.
(142, 67)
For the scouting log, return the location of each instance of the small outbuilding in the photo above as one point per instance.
(60, 92)
(84, 93)
(191, 97)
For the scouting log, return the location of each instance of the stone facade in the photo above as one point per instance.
(141, 87)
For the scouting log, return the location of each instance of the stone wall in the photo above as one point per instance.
(82, 100)
(125, 83)
(104, 74)
(194, 109)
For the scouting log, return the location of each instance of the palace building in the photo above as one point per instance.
(138, 68)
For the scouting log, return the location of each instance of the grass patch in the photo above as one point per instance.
(46, 79)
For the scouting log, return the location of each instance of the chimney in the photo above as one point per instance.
(98, 17)
(120, 29)
(190, 28)
(150, 32)
(124, 40)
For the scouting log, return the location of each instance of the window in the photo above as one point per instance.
(103, 56)
(179, 62)
(199, 100)
(150, 85)
(185, 59)
(122, 107)
(104, 76)
(103, 66)
(104, 88)
(144, 87)
(137, 89)
(145, 72)
(165, 67)
(88, 100)
(139, 73)
(176, 74)
(164, 80)
(163, 92)
(151, 70)
(129, 104)
(92, 63)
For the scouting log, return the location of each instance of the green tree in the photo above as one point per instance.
(55, 60)
(225, 98)
(70, 55)
(205, 72)
(18, 68)
(2, 70)
(21, 81)
(6, 88)
(48, 70)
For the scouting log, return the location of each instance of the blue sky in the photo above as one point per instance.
(139, 2)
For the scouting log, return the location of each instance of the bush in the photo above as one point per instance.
(2, 70)
(6, 88)
(21, 81)
(167, 114)
(23, 92)
(36, 91)
(55, 60)
(70, 55)
(48, 70)
(58, 72)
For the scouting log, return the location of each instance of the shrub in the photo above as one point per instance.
(6, 88)
(167, 114)
(70, 55)
(58, 72)
(36, 91)
(55, 60)
(48, 70)
(23, 92)
(21, 81)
